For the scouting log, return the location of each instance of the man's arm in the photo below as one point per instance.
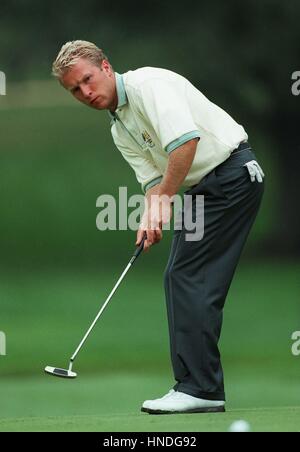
(159, 198)
(179, 164)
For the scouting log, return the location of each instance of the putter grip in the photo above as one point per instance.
(138, 250)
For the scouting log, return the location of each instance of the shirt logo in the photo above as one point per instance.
(148, 140)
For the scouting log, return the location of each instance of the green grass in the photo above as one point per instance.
(126, 359)
(111, 403)
(263, 420)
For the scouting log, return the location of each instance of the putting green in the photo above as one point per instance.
(111, 403)
(127, 359)
(260, 420)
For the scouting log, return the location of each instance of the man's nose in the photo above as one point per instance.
(86, 92)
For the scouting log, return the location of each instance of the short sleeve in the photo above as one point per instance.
(168, 111)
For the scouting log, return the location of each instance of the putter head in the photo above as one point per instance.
(62, 373)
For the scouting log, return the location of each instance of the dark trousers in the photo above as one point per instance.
(199, 274)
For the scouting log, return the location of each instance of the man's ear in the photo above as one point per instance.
(105, 66)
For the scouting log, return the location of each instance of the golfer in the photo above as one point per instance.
(173, 136)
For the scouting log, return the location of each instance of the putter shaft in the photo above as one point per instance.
(134, 257)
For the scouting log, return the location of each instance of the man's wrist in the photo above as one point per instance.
(167, 189)
(159, 194)
(166, 194)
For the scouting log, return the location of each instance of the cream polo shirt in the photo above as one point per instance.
(158, 111)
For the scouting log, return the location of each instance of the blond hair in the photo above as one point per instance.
(71, 52)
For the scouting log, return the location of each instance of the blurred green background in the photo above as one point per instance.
(57, 157)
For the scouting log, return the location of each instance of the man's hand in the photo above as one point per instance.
(158, 211)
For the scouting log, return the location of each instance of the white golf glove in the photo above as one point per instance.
(255, 171)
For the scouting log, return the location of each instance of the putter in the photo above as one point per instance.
(68, 373)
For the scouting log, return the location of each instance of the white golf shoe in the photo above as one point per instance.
(148, 403)
(179, 402)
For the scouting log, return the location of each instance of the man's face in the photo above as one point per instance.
(92, 85)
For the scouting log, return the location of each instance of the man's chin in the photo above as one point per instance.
(97, 106)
